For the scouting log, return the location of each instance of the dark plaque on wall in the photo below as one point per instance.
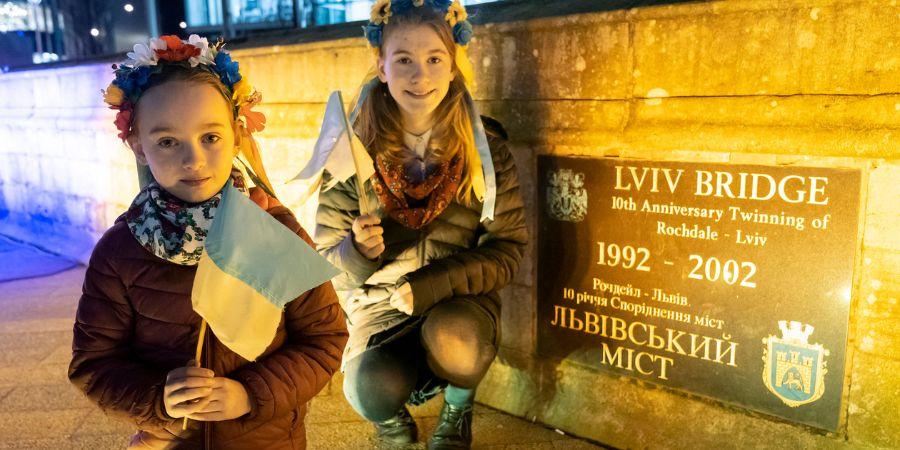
(728, 281)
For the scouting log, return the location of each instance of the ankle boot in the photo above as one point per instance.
(453, 430)
(400, 429)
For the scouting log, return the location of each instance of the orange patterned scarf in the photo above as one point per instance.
(412, 204)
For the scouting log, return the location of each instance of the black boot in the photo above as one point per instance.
(453, 430)
(400, 429)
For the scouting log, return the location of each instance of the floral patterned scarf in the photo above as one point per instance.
(414, 200)
(171, 228)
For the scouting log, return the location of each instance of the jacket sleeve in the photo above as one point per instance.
(338, 207)
(493, 262)
(102, 366)
(290, 376)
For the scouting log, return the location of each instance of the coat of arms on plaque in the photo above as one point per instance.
(566, 196)
(794, 370)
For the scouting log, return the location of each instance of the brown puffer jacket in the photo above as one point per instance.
(135, 323)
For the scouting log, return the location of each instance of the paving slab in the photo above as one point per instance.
(44, 397)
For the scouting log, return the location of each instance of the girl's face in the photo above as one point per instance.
(186, 136)
(417, 68)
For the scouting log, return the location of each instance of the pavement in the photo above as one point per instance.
(29, 261)
(39, 408)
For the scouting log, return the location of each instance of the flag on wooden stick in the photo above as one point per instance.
(338, 151)
(252, 265)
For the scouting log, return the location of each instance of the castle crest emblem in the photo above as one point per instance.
(794, 370)
(566, 196)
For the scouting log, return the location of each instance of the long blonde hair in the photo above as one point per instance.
(379, 124)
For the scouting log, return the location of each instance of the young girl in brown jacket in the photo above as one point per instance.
(184, 111)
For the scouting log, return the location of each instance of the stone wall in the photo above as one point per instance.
(805, 82)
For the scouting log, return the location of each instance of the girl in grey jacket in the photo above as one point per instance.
(421, 273)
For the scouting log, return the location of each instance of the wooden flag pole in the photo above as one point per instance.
(197, 355)
(360, 183)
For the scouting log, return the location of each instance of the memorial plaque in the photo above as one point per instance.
(728, 281)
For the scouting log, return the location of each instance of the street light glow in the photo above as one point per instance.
(95, 32)
(183, 25)
(129, 7)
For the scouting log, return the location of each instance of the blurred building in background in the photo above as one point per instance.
(41, 31)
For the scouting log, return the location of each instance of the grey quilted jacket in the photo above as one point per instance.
(454, 255)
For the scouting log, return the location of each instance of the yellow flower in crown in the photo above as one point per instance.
(113, 95)
(381, 11)
(242, 91)
(456, 13)
(418, 3)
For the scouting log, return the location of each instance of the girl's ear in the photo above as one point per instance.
(135, 145)
(238, 137)
(381, 75)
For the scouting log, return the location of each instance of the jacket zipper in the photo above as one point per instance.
(421, 249)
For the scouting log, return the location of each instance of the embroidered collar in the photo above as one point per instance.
(171, 228)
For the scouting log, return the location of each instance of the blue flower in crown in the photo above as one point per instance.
(441, 4)
(373, 33)
(403, 5)
(227, 69)
(133, 81)
(463, 32)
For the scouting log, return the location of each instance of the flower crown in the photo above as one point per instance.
(454, 13)
(133, 77)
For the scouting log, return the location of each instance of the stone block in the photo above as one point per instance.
(517, 317)
(877, 312)
(509, 384)
(314, 71)
(873, 421)
(88, 178)
(803, 125)
(561, 122)
(294, 120)
(883, 206)
(562, 58)
(761, 48)
(871, 65)
(525, 167)
(23, 85)
(81, 86)
(628, 414)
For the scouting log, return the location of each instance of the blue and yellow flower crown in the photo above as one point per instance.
(134, 75)
(454, 13)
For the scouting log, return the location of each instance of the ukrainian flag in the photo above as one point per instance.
(251, 267)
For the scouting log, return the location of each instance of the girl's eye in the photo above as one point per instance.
(166, 142)
(211, 139)
(404, 60)
(434, 60)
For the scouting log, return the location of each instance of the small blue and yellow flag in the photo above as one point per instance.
(338, 150)
(251, 267)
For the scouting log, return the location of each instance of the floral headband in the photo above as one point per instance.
(454, 13)
(133, 77)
